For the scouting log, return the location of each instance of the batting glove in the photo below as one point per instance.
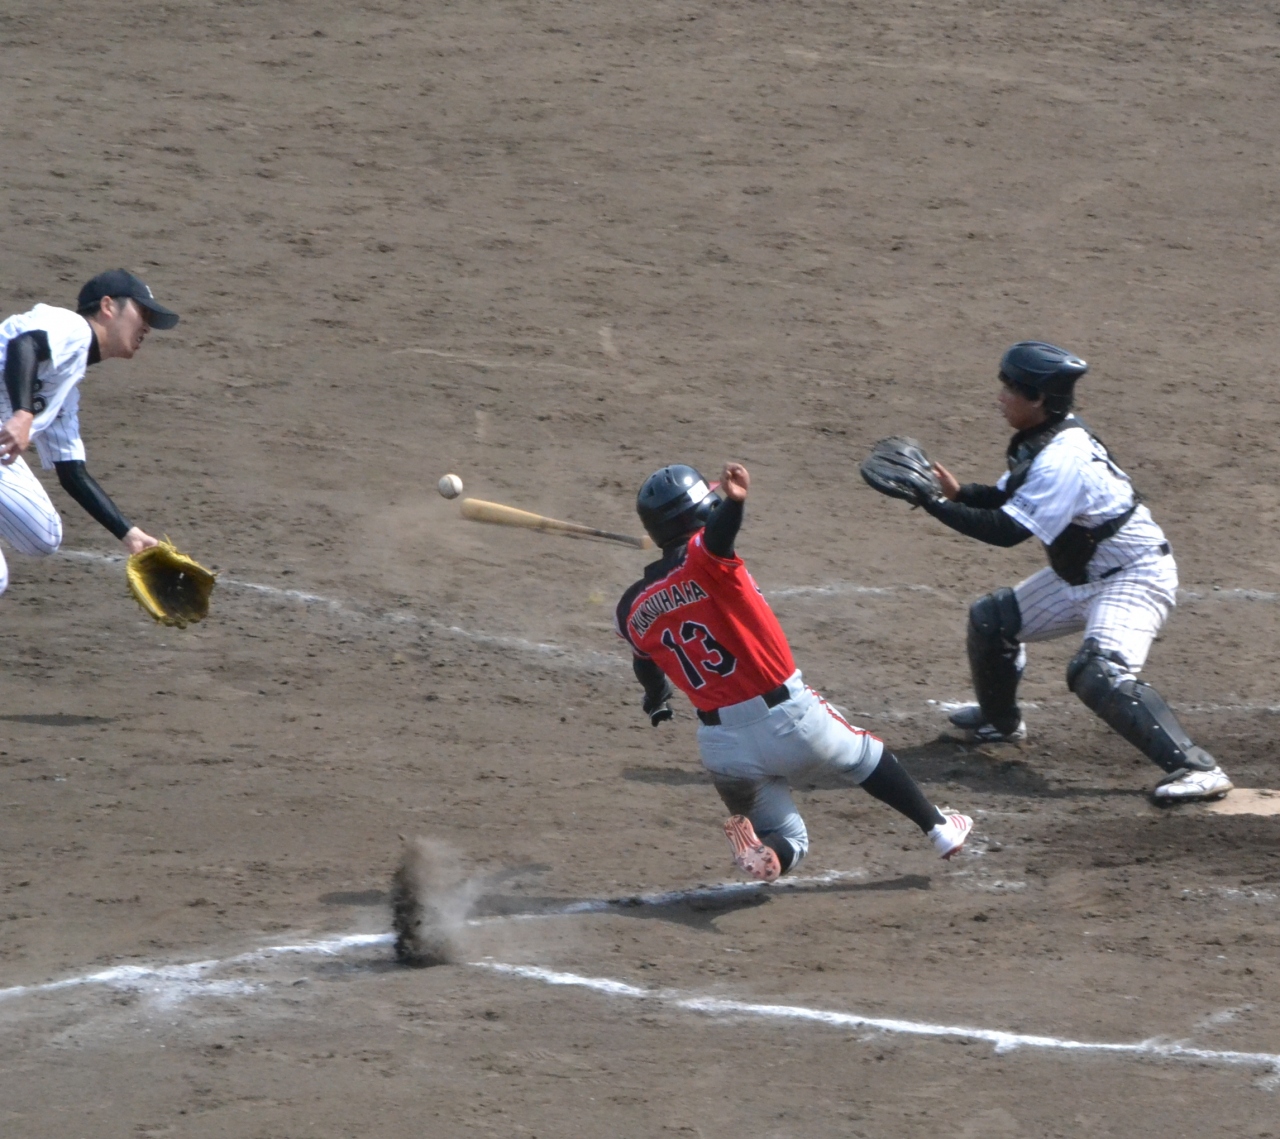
(660, 713)
(657, 708)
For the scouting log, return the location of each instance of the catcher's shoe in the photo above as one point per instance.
(969, 717)
(948, 837)
(750, 855)
(1188, 786)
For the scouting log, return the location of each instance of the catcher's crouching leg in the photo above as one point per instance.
(1134, 709)
(772, 811)
(994, 651)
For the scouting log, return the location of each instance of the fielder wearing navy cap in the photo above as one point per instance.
(44, 355)
(120, 283)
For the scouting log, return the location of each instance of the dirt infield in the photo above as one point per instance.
(550, 247)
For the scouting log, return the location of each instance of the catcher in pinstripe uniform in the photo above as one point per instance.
(44, 354)
(1111, 574)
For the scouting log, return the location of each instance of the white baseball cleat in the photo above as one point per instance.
(969, 717)
(1187, 786)
(948, 837)
(750, 855)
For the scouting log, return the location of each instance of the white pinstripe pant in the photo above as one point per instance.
(28, 520)
(1124, 611)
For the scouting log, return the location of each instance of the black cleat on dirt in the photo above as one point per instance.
(969, 718)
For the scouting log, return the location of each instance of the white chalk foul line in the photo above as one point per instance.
(852, 588)
(480, 362)
(1002, 1041)
(593, 659)
(584, 657)
(171, 984)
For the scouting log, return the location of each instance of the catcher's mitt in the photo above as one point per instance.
(899, 468)
(172, 587)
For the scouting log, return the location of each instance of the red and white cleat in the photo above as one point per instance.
(948, 837)
(750, 855)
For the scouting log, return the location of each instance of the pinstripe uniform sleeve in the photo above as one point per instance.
(60, 441)
(1074, 480)
(68, 336)
(1050, 498)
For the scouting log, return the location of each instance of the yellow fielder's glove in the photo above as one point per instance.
(172, 587)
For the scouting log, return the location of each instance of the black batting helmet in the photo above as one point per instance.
(1039, 369)
(674, 503)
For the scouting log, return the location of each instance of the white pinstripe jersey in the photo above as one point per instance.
(1073, 480)
(56, 430)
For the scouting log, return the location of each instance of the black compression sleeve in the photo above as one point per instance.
(890, 783)
(985, 497)
(722, 528)
(21, 359)
(80, 484)
(657, 688)
(994, 527)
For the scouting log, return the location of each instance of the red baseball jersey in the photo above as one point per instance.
(708, 627)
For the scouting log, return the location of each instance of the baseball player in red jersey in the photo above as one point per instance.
(698, 620)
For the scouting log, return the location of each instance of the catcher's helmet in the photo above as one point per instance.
(1040, 369)
(674, 503)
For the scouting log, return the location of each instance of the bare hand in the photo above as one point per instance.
(15, 436)
(735, 481)
(135, 541)
(950, 484)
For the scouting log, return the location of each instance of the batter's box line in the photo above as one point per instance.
(852, 588)
(948, 706)
(1002, 1041)
(173, 984)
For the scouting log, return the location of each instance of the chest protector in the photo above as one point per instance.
(1071, 551)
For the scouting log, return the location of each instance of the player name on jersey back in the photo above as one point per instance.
(704, 621)
(674, 596)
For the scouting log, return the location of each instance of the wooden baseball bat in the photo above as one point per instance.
(480, 511)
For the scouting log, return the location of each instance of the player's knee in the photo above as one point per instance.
(4, 576)
(738, 795)
(1095, 676)
(55, 533)
(995, 619)
(49, 542)
(40, 541)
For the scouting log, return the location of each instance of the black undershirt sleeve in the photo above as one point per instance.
(21, 359)
(80, 484)
(984, 497)
(722, 528)
(994, 527)
(657, 688)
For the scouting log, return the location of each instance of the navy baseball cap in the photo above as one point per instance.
(122, 283)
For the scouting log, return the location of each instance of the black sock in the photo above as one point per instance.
(891, 784)
(782, 848)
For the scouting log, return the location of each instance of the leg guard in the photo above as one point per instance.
(1134, 709)
(994, 623)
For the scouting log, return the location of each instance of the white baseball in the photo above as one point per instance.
(450, 486)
